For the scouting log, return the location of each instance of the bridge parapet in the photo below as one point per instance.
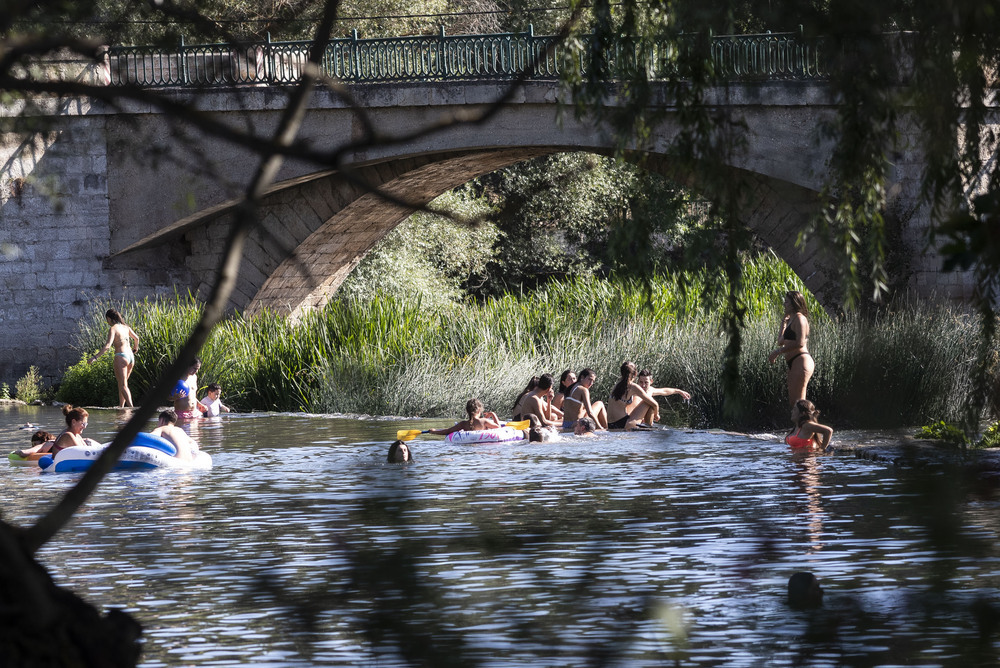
(502, 56)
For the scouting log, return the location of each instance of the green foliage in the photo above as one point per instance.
(429, 258)
(991, 437)
(91, 384)
(955, 435)
(943, 431)
(29, 387)
(5, 392)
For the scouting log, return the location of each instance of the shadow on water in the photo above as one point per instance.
(303, 547)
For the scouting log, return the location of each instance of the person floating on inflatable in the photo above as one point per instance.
(167, 428)
(478, 421)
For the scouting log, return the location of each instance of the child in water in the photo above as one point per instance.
(807, 432)
(478, 421)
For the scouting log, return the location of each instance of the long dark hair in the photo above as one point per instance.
(114, 316)
(580, 377)
(532, 384)
(798, 301)
(621, 387)
(807, 412)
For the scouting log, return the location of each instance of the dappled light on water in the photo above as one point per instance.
(302, 546)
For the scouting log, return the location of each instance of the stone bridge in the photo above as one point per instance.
(117, 203)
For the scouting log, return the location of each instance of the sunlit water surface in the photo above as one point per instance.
(640, 549)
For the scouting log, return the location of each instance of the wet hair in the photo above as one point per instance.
(645, 373)
(544, 382)
(798, 301)
(532, 383)
(807, 411)
(41, 437)
(394, 452)
(621, 387)
(74, 414)
(563, 377)
(804, 591)
(535, 435)
(532, 419)
(587, 424)
(473, 406)
(114, 316)
(169, 415)
(212, 387)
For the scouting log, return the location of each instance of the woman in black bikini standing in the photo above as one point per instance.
(792, 344)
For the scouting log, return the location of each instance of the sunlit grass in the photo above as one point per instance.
(386, 357)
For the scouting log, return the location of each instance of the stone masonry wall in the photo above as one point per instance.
(53, 227)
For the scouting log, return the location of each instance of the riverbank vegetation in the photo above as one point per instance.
(390, 356)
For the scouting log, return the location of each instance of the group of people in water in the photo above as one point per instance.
(568, 405)
(569, 408)
(186, 406)
(547, 406)
(42, 442)
(631, 405)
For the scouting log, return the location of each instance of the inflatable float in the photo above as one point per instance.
(31, 460)
(498, 435)
(146, 452)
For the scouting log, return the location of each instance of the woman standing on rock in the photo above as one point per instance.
(120, 337)
(793, 337)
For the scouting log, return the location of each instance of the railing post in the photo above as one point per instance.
(184, 64)
(268, 60)
(531, 49)
(353, 72)
(445, 70)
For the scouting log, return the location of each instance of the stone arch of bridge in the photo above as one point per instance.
(316, 228)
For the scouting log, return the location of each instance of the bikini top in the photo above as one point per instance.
(789, 334)
(797, 441)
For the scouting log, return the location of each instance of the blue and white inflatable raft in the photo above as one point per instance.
(146, 452)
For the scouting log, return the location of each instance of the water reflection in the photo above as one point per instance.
(302, 546)
(808, 469)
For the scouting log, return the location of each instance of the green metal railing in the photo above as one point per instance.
(767, 56)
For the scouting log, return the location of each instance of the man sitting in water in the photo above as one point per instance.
(167, 428)
(539, 402)
(645, 381)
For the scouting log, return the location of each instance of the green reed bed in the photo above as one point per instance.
(386, 357)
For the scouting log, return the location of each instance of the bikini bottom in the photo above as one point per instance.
(794, 357)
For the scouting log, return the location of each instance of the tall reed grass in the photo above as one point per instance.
(387, 357)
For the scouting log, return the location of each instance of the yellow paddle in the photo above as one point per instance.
(410, 434)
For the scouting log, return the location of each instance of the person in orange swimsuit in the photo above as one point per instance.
(808, 433)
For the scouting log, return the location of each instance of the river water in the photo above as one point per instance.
(302, 547)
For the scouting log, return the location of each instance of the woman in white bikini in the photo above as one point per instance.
(119, 337)
(577, 404)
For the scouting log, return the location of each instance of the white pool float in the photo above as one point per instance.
(146, 452)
